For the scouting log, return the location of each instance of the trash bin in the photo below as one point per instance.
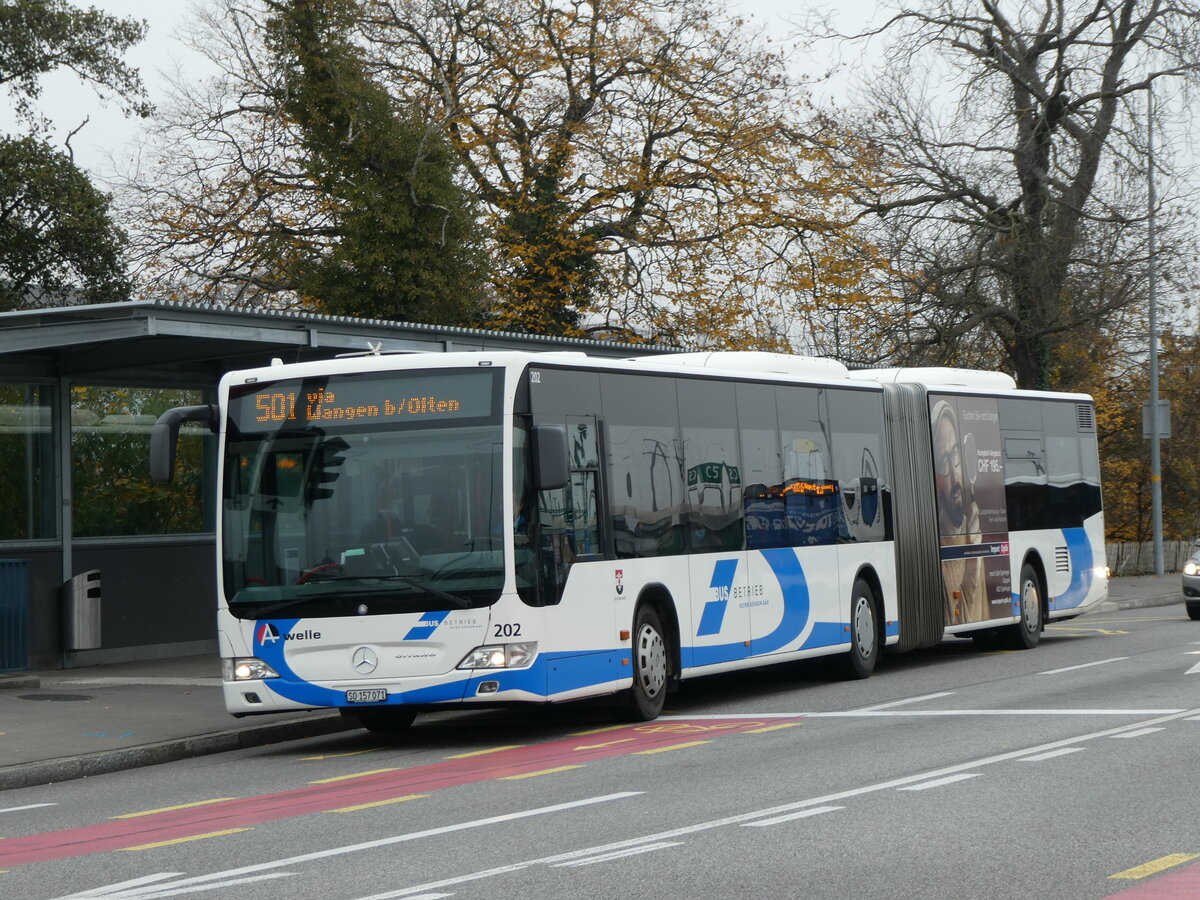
(81, 612)
(14, 614)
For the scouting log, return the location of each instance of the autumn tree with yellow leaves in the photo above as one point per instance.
(644, 170)
(650, 169)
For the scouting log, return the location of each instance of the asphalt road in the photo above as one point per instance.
(1064, 771)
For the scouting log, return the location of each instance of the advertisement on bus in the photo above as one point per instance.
(972, 516)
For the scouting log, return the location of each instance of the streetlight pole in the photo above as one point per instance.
(1155, 413)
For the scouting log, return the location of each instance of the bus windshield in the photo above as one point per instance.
(363, 494)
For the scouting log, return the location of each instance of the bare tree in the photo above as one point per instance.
(1017, 164)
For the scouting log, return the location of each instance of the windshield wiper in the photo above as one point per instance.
(266, 611)
(453, 600)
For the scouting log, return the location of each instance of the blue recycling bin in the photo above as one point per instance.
(14, 614)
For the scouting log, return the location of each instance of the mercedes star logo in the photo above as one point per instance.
(364, 660)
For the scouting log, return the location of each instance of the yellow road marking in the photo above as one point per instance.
(771, 728)
(485, 752)
(597, 730)
(151, 812)
(536, 774)
(605, 744)
(348, 777)
(338, 755)
(346, 809)
(673, 747)
(183, 840)
(1081, 630)
(1157, 865)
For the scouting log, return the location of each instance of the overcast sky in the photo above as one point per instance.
(108, 134)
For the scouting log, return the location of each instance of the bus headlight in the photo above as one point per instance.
(246, 668)
(1190, 567)
(500, 656)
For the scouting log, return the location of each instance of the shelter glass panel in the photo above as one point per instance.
(110, 443)
(27, 477)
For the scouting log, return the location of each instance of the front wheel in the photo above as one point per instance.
(649, 691)
(864, 632)
(1026, 634)
(1193, 611)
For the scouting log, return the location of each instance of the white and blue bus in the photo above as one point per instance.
(428, 531)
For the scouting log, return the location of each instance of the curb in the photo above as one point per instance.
(1140, 602)
(67, 768)
(19, 682)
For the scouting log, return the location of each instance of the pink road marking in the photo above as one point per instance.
(1175, 884)
(183, 823)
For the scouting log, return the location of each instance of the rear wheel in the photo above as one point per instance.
(650, 667)
(1026, 633)
(382, 720)
(864, 632)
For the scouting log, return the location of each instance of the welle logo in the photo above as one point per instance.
(266, 633)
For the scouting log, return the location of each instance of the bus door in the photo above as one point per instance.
(565, 526)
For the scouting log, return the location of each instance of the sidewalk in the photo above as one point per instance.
(63, 724)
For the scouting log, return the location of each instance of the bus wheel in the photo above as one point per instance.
(864, 632)
(649, 691)
(381, 720)
(1026, 633)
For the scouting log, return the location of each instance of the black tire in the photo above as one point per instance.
(1193, 611)
(866, 637)
(651, 667)
(382, 720)
(1026, 634)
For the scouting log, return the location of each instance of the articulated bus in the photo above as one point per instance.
(401, 533)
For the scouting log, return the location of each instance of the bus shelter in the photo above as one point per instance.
(97, 565)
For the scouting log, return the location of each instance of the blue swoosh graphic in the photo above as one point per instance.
(794, 586)
(1083, 575)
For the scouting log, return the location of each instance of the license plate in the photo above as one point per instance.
(367, 695)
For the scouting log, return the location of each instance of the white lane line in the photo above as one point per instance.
(161, 891)
(791, 817)
(826, 800)
(30, 806)
(879, 706)
(918, 713)
(1139, 733)
(142, 893)
(1053, 754)
(939, 782)
(619, 854)
(121, 886)
(1193, 670)
(1099, 662)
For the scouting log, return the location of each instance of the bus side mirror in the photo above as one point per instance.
(550, 457)
(164, 437)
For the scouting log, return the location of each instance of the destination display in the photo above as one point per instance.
(355, 400)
